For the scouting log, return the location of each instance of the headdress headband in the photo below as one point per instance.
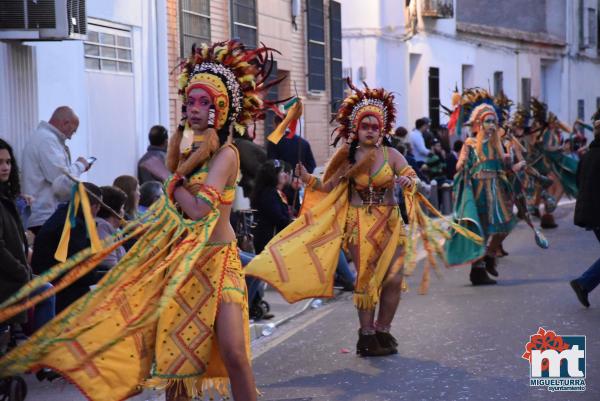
(361, 103)
(235, 78)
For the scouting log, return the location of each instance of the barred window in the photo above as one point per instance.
(434, 96)
(335, 41)
(108, 49)
(243, 21)
(194, 24)
(316, 45)
(498, 82)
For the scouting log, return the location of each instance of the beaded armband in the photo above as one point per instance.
(209, 195)
(171, 184)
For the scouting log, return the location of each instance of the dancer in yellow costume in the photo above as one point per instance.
(357, 212)
(173, 312)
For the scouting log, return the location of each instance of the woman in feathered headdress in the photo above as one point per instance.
(547, 157)
(356, 211)
(173, 312)
(483, 196)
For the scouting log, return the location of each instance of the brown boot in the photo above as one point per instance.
(548, 221)
(368, 345)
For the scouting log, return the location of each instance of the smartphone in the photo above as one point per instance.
(91, 160)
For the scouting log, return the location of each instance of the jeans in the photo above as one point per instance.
(45, 310)
(591, 277)
(343, 270)
(255, 287)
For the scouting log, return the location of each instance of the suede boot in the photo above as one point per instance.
(368, 345)
(386, 340)
(548, 221)
(490, 265)
(479, 276)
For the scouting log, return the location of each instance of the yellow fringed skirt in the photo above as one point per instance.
(187, 355)
(369, 232)
(150, 321)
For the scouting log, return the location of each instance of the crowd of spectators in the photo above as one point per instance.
(34, 204)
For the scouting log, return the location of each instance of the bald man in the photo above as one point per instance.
(46, 159)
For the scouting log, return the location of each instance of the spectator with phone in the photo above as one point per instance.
(46, 161)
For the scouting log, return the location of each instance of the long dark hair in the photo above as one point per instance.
(267, 177)
(12, 188)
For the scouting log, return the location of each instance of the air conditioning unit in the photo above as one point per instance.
(438, 9)
(42, 19)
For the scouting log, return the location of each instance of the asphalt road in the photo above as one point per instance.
(459, 342)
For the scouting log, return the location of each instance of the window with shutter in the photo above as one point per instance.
(335, 47)
(194, 20)
(434, 96)
(243, 22)
(498, 82)
(581, 109)
(316, 45)
(525, 92)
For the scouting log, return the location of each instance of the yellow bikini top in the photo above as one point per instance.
(199, 176)
(381, 178)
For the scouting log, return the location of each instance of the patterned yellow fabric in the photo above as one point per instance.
(150, 320)
(372, 230)
(301, 260)
(198, 177)
(383, 177)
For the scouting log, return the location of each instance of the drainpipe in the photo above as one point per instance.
(569, 38)
(162, 62)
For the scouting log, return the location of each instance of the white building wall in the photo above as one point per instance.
(62, 79)
(401, 62)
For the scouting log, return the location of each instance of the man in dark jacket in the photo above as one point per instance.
(292, 151)
(587, 210)
(252, 156)
(159, 139)
(47, 241)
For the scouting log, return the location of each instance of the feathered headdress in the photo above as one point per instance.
(521, 117)
(377, 102)
(475, 104)
(539, 111)
(235, 78)
(503, 104)
(544, 118)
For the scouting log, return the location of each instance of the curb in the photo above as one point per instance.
(259, 330)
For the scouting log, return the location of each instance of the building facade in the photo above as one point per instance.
(423, 49)
(306, 33)
(114, 77)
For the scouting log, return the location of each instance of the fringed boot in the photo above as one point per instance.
(368, 344)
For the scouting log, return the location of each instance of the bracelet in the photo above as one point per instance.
(209, 195)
